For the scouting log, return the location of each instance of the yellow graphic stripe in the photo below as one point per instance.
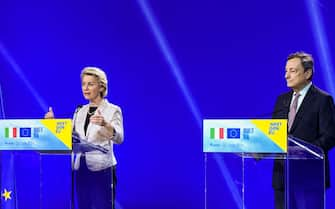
(61, 128)
(274, 129)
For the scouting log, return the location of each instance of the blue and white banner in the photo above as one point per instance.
(251, 136)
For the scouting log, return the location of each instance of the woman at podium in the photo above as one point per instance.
(98, 124)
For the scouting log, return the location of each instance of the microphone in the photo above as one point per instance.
(78, 108)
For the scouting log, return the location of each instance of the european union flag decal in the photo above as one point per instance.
(233, 133)
(25, 132)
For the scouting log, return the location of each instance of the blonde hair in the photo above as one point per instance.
(99, 74)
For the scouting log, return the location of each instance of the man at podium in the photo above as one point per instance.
(100, 124)
(311, 117)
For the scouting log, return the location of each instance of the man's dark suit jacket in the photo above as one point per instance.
(314, 123)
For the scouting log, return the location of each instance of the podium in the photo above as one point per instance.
(35, 157)
(244, 179)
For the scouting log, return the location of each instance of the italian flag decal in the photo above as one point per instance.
(11, 132)
(217, 133)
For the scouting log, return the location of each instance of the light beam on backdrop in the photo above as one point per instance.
(176, 71)
(321, 42)
(21, 75)
(2, 107)
(174, 67)
(320, 37)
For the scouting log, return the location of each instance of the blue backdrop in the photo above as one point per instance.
(170, 64)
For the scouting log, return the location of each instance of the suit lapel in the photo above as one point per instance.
(304, 105)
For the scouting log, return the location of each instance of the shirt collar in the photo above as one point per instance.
(303, 92)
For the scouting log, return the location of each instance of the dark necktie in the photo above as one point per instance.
(293, 111)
